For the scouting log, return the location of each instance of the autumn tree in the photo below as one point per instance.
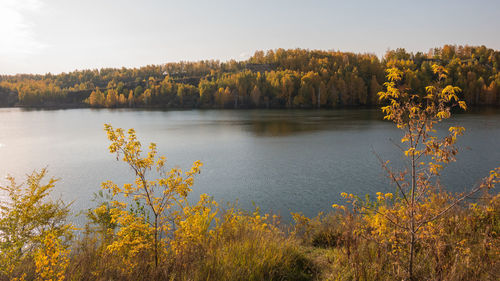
(96, 98)
(160, 196)
(311, 89)
(288, 87)
(111, 98)
(407, 221)
(29, 221)
(207, 90)
(255, 95)
(375, 88)
(122, 100)
(131, 99)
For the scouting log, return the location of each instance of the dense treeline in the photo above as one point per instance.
(279, 78)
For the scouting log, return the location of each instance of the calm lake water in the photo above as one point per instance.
(280, 160)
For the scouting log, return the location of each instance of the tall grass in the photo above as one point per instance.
(465, 245)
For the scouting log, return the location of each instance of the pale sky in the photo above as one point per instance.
(40, 36)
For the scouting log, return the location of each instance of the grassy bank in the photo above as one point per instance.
(216, 243)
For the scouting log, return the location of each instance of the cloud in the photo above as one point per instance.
(16, 30)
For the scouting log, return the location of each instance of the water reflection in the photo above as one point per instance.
(287, 123)
(280, 128)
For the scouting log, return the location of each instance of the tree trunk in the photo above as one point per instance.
(156, 241)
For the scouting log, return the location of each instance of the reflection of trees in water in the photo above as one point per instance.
(276, 128)
(290, 124)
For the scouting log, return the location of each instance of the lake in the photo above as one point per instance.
(279, 160)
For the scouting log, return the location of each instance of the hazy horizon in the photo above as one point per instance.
(42, 36)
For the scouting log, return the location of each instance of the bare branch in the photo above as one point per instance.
(391, 175)
(445, 210)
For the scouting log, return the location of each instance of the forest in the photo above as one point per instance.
(295, 78)
(148, 229)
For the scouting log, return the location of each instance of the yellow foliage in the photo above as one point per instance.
(161, 198)
(51, 259)
(27, 216)
(193, 227)
(410, 218)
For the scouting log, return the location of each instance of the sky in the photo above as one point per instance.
(41, 36)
